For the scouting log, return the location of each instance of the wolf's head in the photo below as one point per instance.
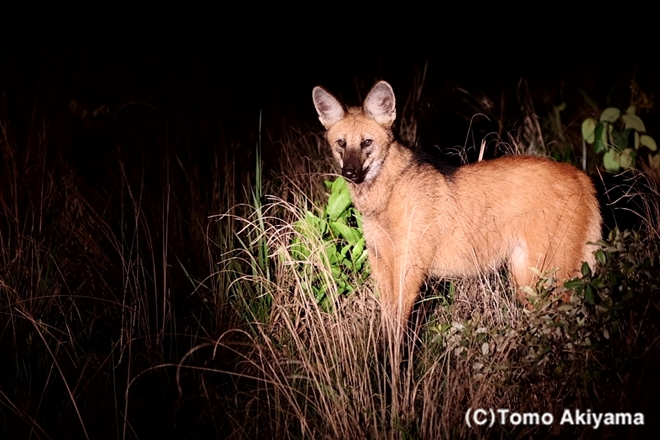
(360, 137)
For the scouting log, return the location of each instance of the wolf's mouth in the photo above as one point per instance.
(365, 172)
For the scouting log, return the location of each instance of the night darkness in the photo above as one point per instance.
(121, 138)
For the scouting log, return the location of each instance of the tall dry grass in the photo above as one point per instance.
(162, 299)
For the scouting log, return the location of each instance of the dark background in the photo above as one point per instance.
(224, 67)
(206, 76)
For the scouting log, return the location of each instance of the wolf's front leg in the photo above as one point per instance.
(383, 275)
(408, 280)
(398, 295)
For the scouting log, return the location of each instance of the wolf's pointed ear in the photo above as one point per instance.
(380, 104)
(329, 109)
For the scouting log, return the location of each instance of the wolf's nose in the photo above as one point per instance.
(350, 173)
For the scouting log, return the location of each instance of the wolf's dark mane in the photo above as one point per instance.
(427, 156)
(424, 156)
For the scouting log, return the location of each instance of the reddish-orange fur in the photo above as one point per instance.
(522, 211)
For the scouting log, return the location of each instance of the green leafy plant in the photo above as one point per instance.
(337, 232)
(627, 266)
(620, 136)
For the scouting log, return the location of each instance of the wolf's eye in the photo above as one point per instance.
(341, 143)
(365, 143)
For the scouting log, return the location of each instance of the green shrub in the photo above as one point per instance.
(620, 136)
(338, 232)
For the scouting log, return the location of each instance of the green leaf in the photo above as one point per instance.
(620, 140)
(349, 234)
(529, 291)
(630, 110)
(346, 262)
(339, 184)
(319, 294)
(634, 122)
(589, 294)
(333, 255)
(357, 250)
(600, 135)
(627, 158)
(586, 270)
(573, 284)
(589, 130)
(361, 259)
(310, 226)
(536, 272)
(648, 142)
(339, 200)
(611, 160)
(610, 114)
(319, 225)
(358, 218)
(343, 218)
(299, 251)
(636, 140)
(600, 257)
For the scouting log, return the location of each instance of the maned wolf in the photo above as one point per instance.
(423, 218)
